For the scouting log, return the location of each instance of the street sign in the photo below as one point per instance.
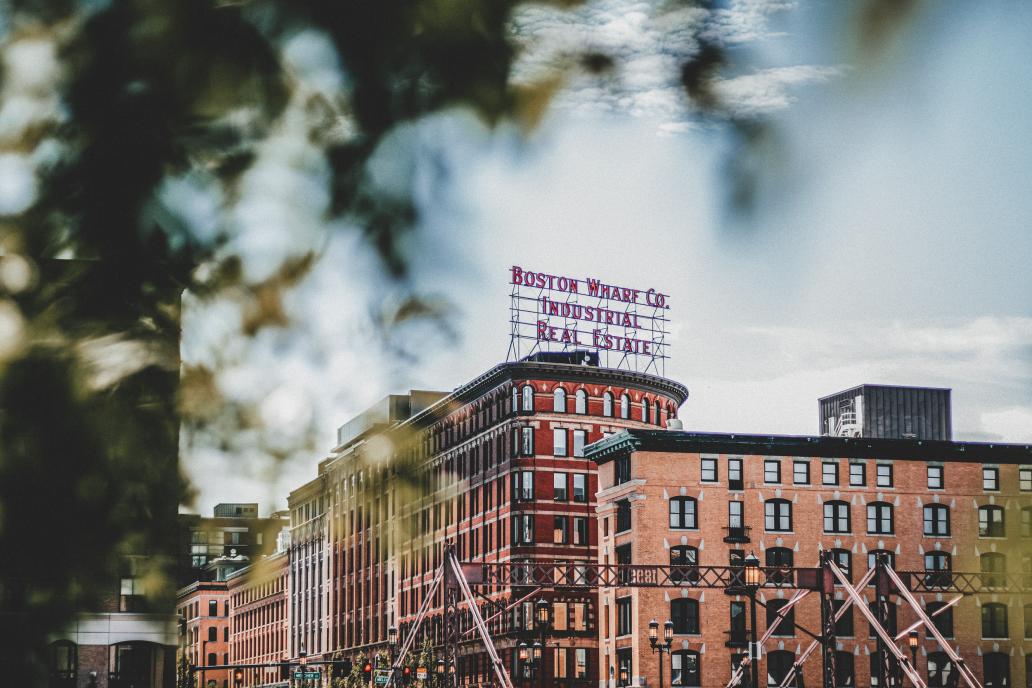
(380, 677)
(421, 673)
(305, 675)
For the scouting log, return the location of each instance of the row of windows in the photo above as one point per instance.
(523, 401)
(564, 486)
(777, 516)
(935, 474)
(523, 440)
(565, 530)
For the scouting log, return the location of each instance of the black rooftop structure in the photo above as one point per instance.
(629, 441)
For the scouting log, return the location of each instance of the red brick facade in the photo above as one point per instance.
(205, 609)
(924, 511)
(258, 618)
(496, 469)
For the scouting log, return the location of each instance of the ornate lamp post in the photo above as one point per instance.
(523, 653)
(661, 647)
(912, 642)
(752, 583)
(542, 622)
(302, 660)
(392, 641)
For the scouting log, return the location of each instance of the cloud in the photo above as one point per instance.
(783, 370)
(649, 42)
(768, 90)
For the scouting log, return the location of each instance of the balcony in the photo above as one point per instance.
(737, 534)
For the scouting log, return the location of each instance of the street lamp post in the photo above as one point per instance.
(542, 622)
(752, 583)
(523, 653)
(302, 660)
(661, 647)
(912, 642)
(392, 641)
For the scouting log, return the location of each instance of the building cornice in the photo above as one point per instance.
(676, 441)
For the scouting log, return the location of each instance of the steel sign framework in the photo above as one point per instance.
(628, 327)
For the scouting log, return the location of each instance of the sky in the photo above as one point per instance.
(889, 242)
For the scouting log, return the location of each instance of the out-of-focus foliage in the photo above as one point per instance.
(138, 143)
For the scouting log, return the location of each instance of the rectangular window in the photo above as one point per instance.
(709, 470)
(581, 667)
(778, 515)
(772, 471)
(991, 479)
(935, 477)
(829, 473)
(623, 616)
(622, 469)
(580, 530)
(579, 440)
(734, 515)
(523, 529)
(1025, 479)
(527, 443)
(559, 668)
(523, 485)
(857, 475)
(559, 491)
(623, 515)
(580, 487)
(560, 533)
(734, 474)
(884, 475)
(801, 472)
(559, 442)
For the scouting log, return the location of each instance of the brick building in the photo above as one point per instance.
(498, 467)
(695, 499)
(258, 618)
(203, 609)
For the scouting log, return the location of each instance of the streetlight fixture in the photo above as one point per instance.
(661, 647)
(752, 574)
(392, 640)
(624, 676)
(912, 642)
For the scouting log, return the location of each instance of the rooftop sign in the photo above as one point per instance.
(627, 326)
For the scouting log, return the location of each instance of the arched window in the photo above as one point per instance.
(528, 398)
(940, 669)
(994, 620)
(559, 400)
(845, 677)
(779, 663)
(879, 518)
(844, 560)
(515, 400)
(937, 566)
(607, 404)
(683, 512)
(994, 567)
(836, 517)
(64, 663)
(996, 670)
(658, 413)
(990, 521)
(684, 564)
(684, 612)
(943, 620)
(625, 406)
(936, 519)
(581, 401)
(685, 669)
(644, 410)
(777, 515)
(779, 558)
(785, 626)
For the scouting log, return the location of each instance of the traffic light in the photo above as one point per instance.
(406, 675)
(346, 668)
(238, 676)
(284, 671)
(367, 671)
